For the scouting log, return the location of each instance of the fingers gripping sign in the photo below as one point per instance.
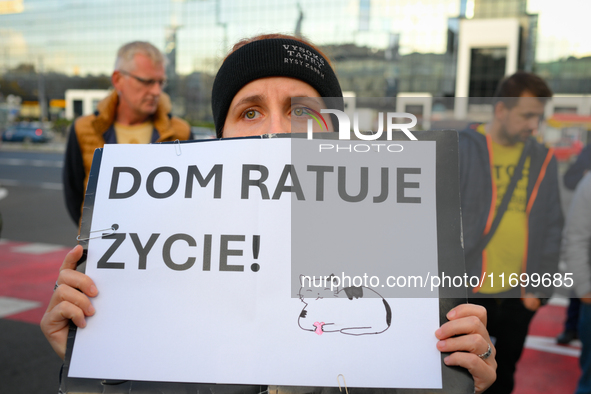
(466, 338)
(69, 302)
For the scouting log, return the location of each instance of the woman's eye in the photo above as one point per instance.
(298, 111)
(251, 114)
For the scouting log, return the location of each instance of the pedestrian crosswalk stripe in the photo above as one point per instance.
(36, 248)
(546, 344)
(10, 306)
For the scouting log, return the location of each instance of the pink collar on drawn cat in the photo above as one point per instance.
(318, 328)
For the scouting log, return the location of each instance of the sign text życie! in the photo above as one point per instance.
(345, 124)
(11, 6)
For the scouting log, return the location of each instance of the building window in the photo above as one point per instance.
(487, 68)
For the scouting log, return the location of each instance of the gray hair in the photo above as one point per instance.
(127, 52)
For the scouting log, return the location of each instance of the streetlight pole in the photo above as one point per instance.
(224, 25)
(41, 92)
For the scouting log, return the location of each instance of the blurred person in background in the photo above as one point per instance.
(511, 214)
(576, 247)
(571, 179)
(136, 112)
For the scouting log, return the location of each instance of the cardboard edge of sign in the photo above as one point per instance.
(450, 259)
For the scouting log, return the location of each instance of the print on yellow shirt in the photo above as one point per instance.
(506, 249)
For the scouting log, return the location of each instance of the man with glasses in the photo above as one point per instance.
(136, 112)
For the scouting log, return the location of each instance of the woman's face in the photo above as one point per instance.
(264, 106)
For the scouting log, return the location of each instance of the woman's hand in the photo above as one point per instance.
(465, 337)
(69, 302)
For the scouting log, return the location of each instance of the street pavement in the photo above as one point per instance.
(27, 275)
(36, 233)
(546, 367)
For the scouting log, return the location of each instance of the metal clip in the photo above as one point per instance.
(113, 228)
(344, 383)
(177, 147)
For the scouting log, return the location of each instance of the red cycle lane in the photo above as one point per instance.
(28, 272)
(546, 367)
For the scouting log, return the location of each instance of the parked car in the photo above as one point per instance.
(26, 133)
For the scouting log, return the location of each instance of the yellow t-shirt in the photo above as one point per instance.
(506, 250)
(136, 134)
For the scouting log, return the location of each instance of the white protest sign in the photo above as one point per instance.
(197, 282)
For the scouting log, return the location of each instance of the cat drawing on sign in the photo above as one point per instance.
(354, 310)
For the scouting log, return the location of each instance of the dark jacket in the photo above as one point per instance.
(577, 170)
(544, 212)
(94, 131)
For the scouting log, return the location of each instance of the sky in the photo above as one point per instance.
(563, 28)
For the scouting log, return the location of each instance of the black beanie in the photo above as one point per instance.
(274, 57)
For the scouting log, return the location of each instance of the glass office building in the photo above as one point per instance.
(380, 48)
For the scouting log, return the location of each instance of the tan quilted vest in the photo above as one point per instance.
(90, 129)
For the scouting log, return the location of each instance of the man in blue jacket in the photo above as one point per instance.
(524, 242)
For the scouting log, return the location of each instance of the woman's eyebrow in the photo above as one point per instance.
(310, 101)
(302, 98)
(254, 99)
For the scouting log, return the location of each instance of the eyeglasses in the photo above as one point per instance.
(146, 82)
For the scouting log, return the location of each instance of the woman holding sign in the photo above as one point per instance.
(252, 95)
